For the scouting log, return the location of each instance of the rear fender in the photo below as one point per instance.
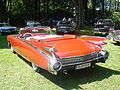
(94, 40)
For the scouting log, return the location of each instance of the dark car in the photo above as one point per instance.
(65, 27)
(103, 26)
(5, 28)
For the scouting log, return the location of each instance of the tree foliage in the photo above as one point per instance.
(116, 18)
(40, 10)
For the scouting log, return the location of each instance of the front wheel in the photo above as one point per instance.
(11, 48)
(35, 67)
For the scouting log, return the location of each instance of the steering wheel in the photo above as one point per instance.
(27, 35)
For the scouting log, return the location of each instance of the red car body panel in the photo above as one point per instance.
(92, 38)
(75, 47)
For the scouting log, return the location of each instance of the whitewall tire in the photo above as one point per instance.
(35, 67)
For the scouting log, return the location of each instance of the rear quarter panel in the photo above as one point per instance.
(25, 49)
(32, 54)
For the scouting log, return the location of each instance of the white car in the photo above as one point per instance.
(33, 24)
(5, 28)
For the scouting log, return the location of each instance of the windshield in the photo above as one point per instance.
(65, 23)
(34, 25)
(35, 31)
(105, 22)
(4, 24)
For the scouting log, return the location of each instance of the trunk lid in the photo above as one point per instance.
(74, 47)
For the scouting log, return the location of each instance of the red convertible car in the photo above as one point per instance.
(56, 53)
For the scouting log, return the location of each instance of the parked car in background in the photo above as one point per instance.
(5, 28)
(46, 28)
(57, 53)
(114, 35)
(103, 26)
(65, 26)
(52, 22)
(33, 24)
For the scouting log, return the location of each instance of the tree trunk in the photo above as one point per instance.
(3, 12)
(117, 5)
(93, 10)
(47, 7)
(110, 5)
(80, 15)
(103, 5)
(86, 7)
(44, 5)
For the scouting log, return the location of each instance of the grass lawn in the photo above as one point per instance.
(16, 74)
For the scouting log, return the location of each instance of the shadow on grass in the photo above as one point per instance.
(3, 42)
(116, 43)
(74, 79)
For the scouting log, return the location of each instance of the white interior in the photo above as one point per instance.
(43, 37)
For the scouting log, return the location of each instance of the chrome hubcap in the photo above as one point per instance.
(34, 66)
(12, 49)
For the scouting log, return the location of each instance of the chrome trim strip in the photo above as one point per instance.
(83, 62)
(37, 49)
(80, 55)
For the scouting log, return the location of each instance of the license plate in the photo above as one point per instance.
(82, 66)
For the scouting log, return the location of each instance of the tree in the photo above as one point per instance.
(118, 5)
(80, 14)
(37, 9)
(103, 5)
(3, 11)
